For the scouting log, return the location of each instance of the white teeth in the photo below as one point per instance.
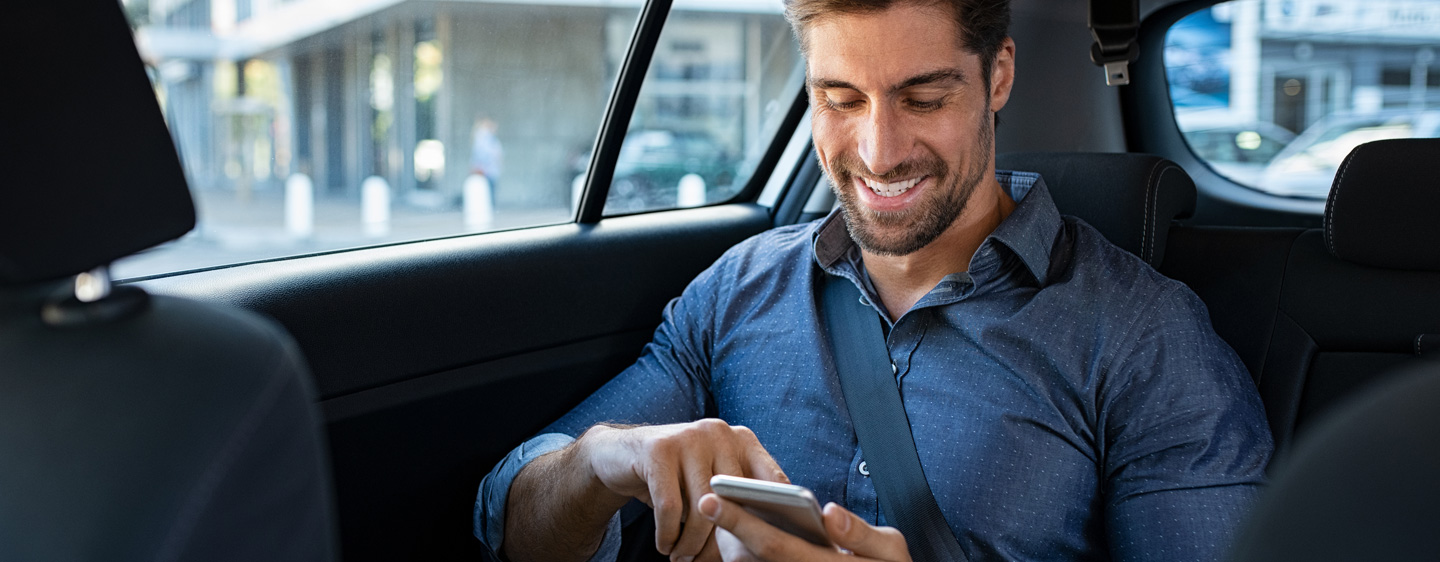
(891, 189)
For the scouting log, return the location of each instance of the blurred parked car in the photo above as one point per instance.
(1236, 150)
(1307, 167)
(651, 163)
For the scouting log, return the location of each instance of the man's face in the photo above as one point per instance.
(902, 121)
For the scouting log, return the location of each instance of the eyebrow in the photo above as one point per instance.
(943, 75)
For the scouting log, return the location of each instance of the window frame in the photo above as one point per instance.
(614, 126)
(1151, 126)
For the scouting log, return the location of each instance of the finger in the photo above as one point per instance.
(669, 505)
(760, 538)
(758, 462)
(852, 533)
(711, 551)
(728, 465)
(731, 549)
(696, 530)
(724, 464)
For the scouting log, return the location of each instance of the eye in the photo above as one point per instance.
(925, 105)
(839, 103)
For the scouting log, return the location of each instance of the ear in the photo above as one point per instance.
(1002, 75)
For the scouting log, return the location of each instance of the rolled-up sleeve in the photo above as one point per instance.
(495, 489)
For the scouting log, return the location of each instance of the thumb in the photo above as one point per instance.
(852, 533)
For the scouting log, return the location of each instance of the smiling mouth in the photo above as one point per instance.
(891, 189)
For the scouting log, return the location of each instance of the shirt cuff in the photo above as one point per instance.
(495, 489)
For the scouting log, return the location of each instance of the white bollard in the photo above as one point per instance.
(479, 211)
(692, 191)
(299, 206)
(577, 188)
(375, 206)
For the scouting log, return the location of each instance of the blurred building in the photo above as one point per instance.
(255, 90)
(1292, 62)
(1329, 56)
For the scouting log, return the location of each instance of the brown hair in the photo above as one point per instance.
(984, 24)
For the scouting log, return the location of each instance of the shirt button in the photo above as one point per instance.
(894, 369)
(864, 469)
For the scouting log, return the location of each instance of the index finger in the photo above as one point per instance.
(758, 462)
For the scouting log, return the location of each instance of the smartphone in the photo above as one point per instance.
(790, 508)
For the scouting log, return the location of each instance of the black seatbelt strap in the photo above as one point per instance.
(868, 381)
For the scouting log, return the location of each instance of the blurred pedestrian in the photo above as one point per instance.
(486, 154)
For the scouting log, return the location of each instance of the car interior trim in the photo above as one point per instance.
(795, 148)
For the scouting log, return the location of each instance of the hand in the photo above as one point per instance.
(745, 537)
(669, 468)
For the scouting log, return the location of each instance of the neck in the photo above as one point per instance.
(902, 280)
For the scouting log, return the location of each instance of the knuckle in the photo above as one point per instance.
(710, 425)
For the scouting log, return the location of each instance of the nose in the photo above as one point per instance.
(884, 143)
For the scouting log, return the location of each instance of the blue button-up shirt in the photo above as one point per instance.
(1067, 401)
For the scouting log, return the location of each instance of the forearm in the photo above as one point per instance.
(558, 508)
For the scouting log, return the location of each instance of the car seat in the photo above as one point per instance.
(132, 426)
(1361, 484)
(1132, 199)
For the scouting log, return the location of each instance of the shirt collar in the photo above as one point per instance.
(1028, 233)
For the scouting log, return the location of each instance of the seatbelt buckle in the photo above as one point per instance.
(1115, 27)
(1117, 73)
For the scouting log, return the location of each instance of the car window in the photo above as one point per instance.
(308, 126)
(1274, 93)
(718, 87)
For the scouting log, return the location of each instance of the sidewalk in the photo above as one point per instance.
(231, 229)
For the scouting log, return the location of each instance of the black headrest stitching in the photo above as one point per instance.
(1149, 235)
(1332, 199)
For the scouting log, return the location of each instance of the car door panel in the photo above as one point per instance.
(433, 359)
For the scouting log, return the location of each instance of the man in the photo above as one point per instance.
(1066, 401)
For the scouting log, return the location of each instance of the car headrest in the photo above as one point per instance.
(91, 174)
(1384, 207)
(1129, 198)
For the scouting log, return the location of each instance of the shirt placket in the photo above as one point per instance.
(904, 338)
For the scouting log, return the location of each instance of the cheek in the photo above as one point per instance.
(950, 132)
(829, 135)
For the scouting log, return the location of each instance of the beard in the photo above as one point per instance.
(899, 233)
